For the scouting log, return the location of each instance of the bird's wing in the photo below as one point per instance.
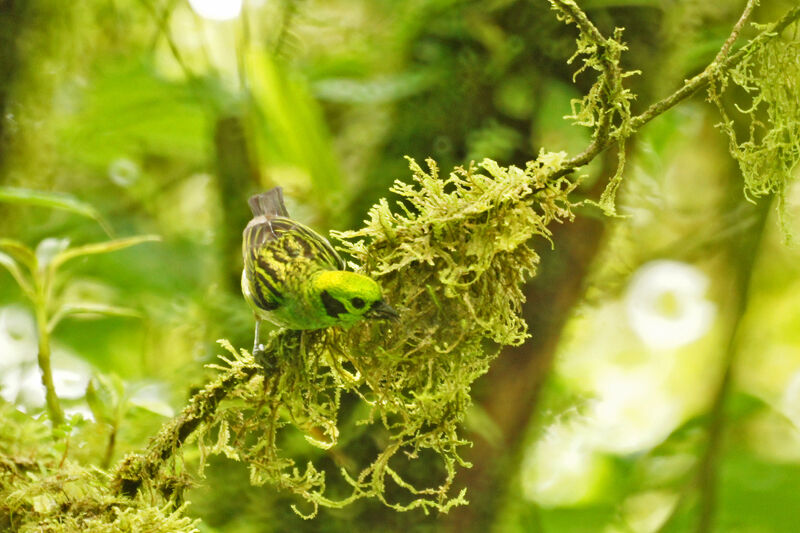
(287, 239)
(264, 273)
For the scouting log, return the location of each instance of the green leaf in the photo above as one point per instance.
(291, 130)
(20, 252)
(101, 248)
(54, 200)
(13, 267)
(90, 308)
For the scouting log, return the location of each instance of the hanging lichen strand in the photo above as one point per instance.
(451, 257)
(768, 73)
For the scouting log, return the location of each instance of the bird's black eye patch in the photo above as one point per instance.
(357, 302)
(333, 307)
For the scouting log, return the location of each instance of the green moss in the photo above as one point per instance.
(770, 150)
(42, 490)
(452, 257)
(606, 108)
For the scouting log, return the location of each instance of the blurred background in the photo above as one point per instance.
(660, 387)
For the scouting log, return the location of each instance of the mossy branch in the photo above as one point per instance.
(737, 28)
(135, 469)
(466, 241)
(610, 76)
(724, 60)
(42, 489)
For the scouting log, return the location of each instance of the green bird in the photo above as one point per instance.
(294, 278)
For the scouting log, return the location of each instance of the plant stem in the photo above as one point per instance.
(53, 405)
(110, 444)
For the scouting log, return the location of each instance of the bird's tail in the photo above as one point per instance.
(268, 203)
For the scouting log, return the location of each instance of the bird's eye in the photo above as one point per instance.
(357, 302)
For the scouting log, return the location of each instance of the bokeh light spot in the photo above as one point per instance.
(666, 305)
(217, 9)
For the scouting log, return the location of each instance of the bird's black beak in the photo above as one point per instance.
(381, 309)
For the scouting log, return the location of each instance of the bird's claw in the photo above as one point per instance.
(260, 354)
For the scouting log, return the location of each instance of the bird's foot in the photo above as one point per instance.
(263, 357)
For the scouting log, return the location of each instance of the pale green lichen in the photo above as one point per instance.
(606, 108)
(608, 95)
(770, 150)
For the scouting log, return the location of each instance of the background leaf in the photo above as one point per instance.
(54, 200)
(13, 267)
(20, 252)
(90, 308)
(100, 248)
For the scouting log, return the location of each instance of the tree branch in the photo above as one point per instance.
(136, 468)
(610, 73)
(737, 28)
(723, 60)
